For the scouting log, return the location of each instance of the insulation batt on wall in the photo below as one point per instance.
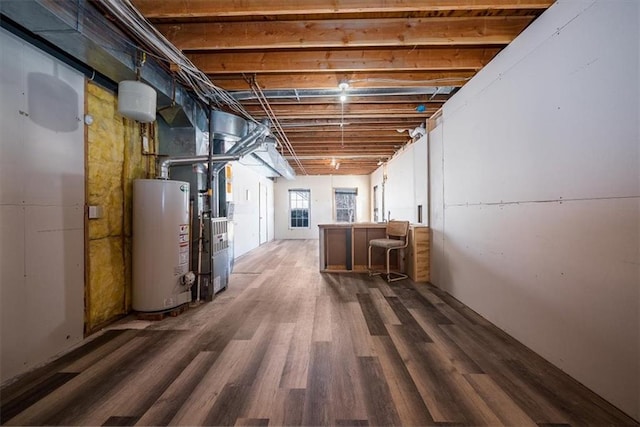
(114, 161)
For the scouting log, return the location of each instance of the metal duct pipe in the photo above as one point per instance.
(165, 164)
(213, 196)
(334, 93)
(260, 130)
(226, 126)
(245, 146)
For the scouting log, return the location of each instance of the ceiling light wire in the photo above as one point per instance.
(264, 103)
(342, 123)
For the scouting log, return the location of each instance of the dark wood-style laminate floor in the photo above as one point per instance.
(287, 345)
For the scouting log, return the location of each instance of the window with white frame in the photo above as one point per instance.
(345, 204)
(299, 204)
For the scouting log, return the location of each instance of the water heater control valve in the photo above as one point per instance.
(188, 279)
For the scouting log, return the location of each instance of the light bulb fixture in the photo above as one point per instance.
(343, 86)
(337, 165)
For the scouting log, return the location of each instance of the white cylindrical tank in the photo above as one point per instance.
(137, 101)
(160, 244)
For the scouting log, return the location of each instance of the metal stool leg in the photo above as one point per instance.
(398, 275)
(388, 272)
(371, 272)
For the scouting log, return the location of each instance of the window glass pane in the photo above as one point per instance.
(345, 204)
(299, 208)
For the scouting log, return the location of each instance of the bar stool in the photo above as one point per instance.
(396, 239)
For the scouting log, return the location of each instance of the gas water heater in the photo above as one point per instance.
(160, 244)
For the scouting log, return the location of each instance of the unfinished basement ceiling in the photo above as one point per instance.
(402, 60)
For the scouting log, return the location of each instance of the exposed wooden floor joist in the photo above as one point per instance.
(404, 52)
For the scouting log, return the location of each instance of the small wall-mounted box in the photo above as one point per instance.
(95, 212)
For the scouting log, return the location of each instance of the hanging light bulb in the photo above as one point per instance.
(343, 86)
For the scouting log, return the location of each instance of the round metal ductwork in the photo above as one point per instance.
(227, 126)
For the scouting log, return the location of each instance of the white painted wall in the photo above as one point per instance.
(536, 191)
(321, 187)
(41, 207)
(420, 180)
(438, 265)
(407, 183)
(246, 220)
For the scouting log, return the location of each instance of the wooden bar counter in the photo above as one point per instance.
(344, 248)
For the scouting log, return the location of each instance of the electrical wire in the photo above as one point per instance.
(342, 123)
(264, 103)
(283, 138)
(157, 46)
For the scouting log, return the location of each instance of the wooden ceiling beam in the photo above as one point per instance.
(367, 138)
(331, 80)
(352, 149)
(342, 172)
(353, 127)
(431, 100)
(337, 147)
(343, 165)
(348, 109)
(344, 60)
(380, 155)
(366, 122)
(337, 154)
(388, 134)
(362, 171)
(302, 115)
(329, 156)
(333, 153)
(154, 9)
(345, 33)
(321, 159)
(326, 161)
(337, 143)
(298, 48)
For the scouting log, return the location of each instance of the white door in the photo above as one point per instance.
(263, 213)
